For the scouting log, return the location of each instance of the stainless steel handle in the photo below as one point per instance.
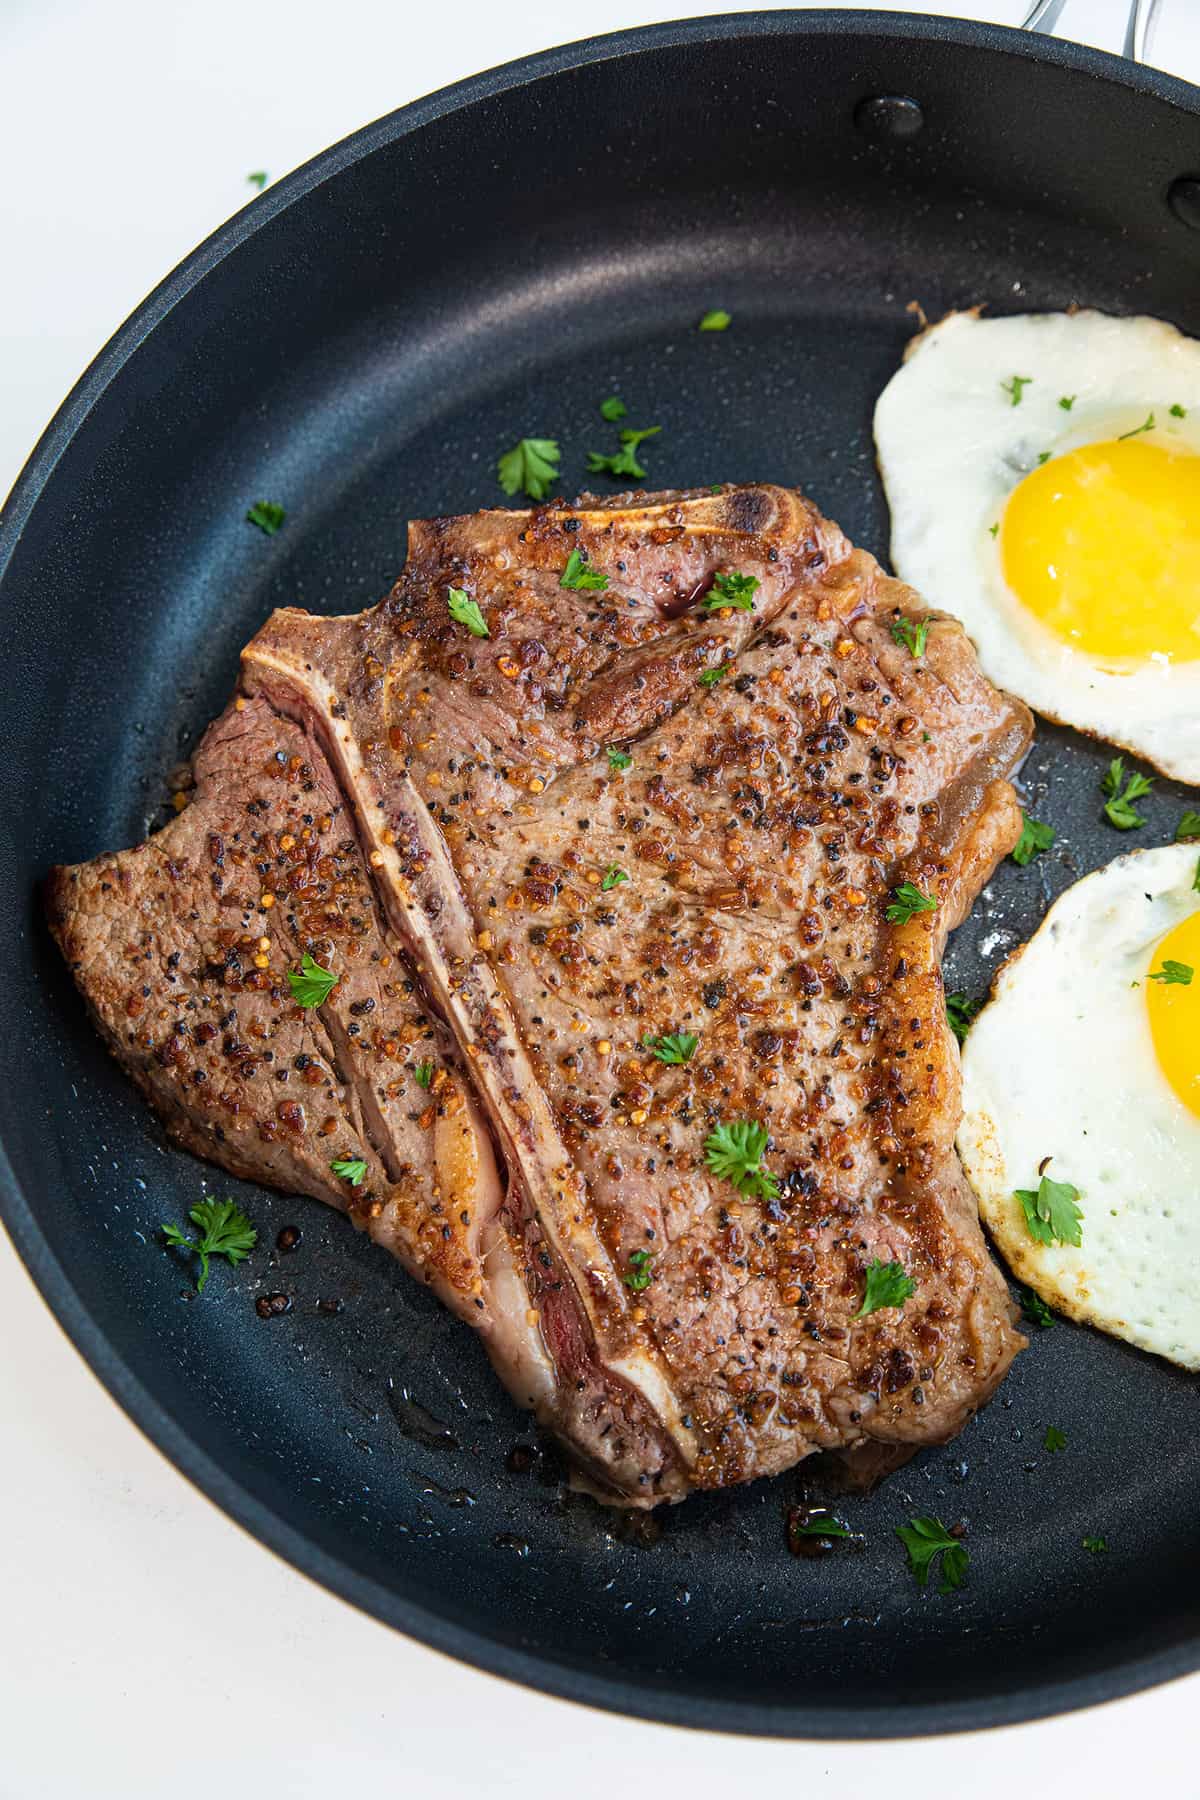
(1044, 15)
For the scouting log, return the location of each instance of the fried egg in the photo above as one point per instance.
(1085, 1068)
(1043, 475)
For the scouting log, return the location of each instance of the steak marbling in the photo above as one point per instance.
(433, 816)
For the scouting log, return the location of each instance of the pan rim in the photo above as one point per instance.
(641, 1698)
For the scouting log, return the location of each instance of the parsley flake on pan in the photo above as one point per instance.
(716, 320)
(734, 1153)
(1096, 1545)
(909, 900)
(625, 461)
(926, 1540)
(887, 1285)
(1035, 837)
(267, 516)
(618, 759)
(911, 635)
(1188, 828)
(960, 1010)
(530, 467)
(613, 408)
(465, 611)
(1051, 1213)
(225, 1231)
(674, 1047)
(1015, 388)
(1174, 974)
(815, 1522)
(1054, 1440)
(350, 1168)
(638, 1275)
(732, 589)
(613, 877)
(1118, 808)
(578, 575)
(1036, 1310)
(311, 985)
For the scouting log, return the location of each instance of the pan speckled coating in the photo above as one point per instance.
(358, 346)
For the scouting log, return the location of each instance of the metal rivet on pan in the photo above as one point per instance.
(889, 118)
(1183, 198)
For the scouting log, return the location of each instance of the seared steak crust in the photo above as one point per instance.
(461, 817)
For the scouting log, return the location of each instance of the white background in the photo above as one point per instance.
(148, 1647)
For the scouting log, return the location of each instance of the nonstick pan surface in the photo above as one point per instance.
(359, 345)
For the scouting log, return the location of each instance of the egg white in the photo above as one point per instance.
(1061, 1064)
(952, 446)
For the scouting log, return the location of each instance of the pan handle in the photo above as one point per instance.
(1043, 15)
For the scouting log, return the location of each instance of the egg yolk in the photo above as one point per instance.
(1174, 1009)
(1102, 544)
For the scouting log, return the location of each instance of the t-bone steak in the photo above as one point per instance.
(517, 920)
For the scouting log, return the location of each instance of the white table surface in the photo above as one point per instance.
(147, 1646)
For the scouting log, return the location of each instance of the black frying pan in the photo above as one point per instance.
(359, 345)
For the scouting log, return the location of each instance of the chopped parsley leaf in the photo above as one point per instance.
(730, 588)
(423, 1073)
(1174, 974)
(1196, 879)
(613, 877)
(716, 320)
(909, 900)
(1178, 412)
(350, 1168)
(1119, 809)
(625, 461)
(1147, 424)
(1016, 387)
(257, 178)
(925, 1540)
(911, 634)
(613, 408)
(817, 1522)
(1051, 1213)
(311, 985)
(531, 467)
(267, 516)
(638, 1275)
(994, 529)
(674, 1047)
(960, 1010)
(1036, 1310)
(225, 1231)
(1035, 837)
(710, 677)
(1054, 1440)
(578, 575)
(465, 611)
(734, 1153)
(1096, 1545)
(1043, 457)
(1188, 827)
(887, 1285)
(618, 759)
(1066, 401)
